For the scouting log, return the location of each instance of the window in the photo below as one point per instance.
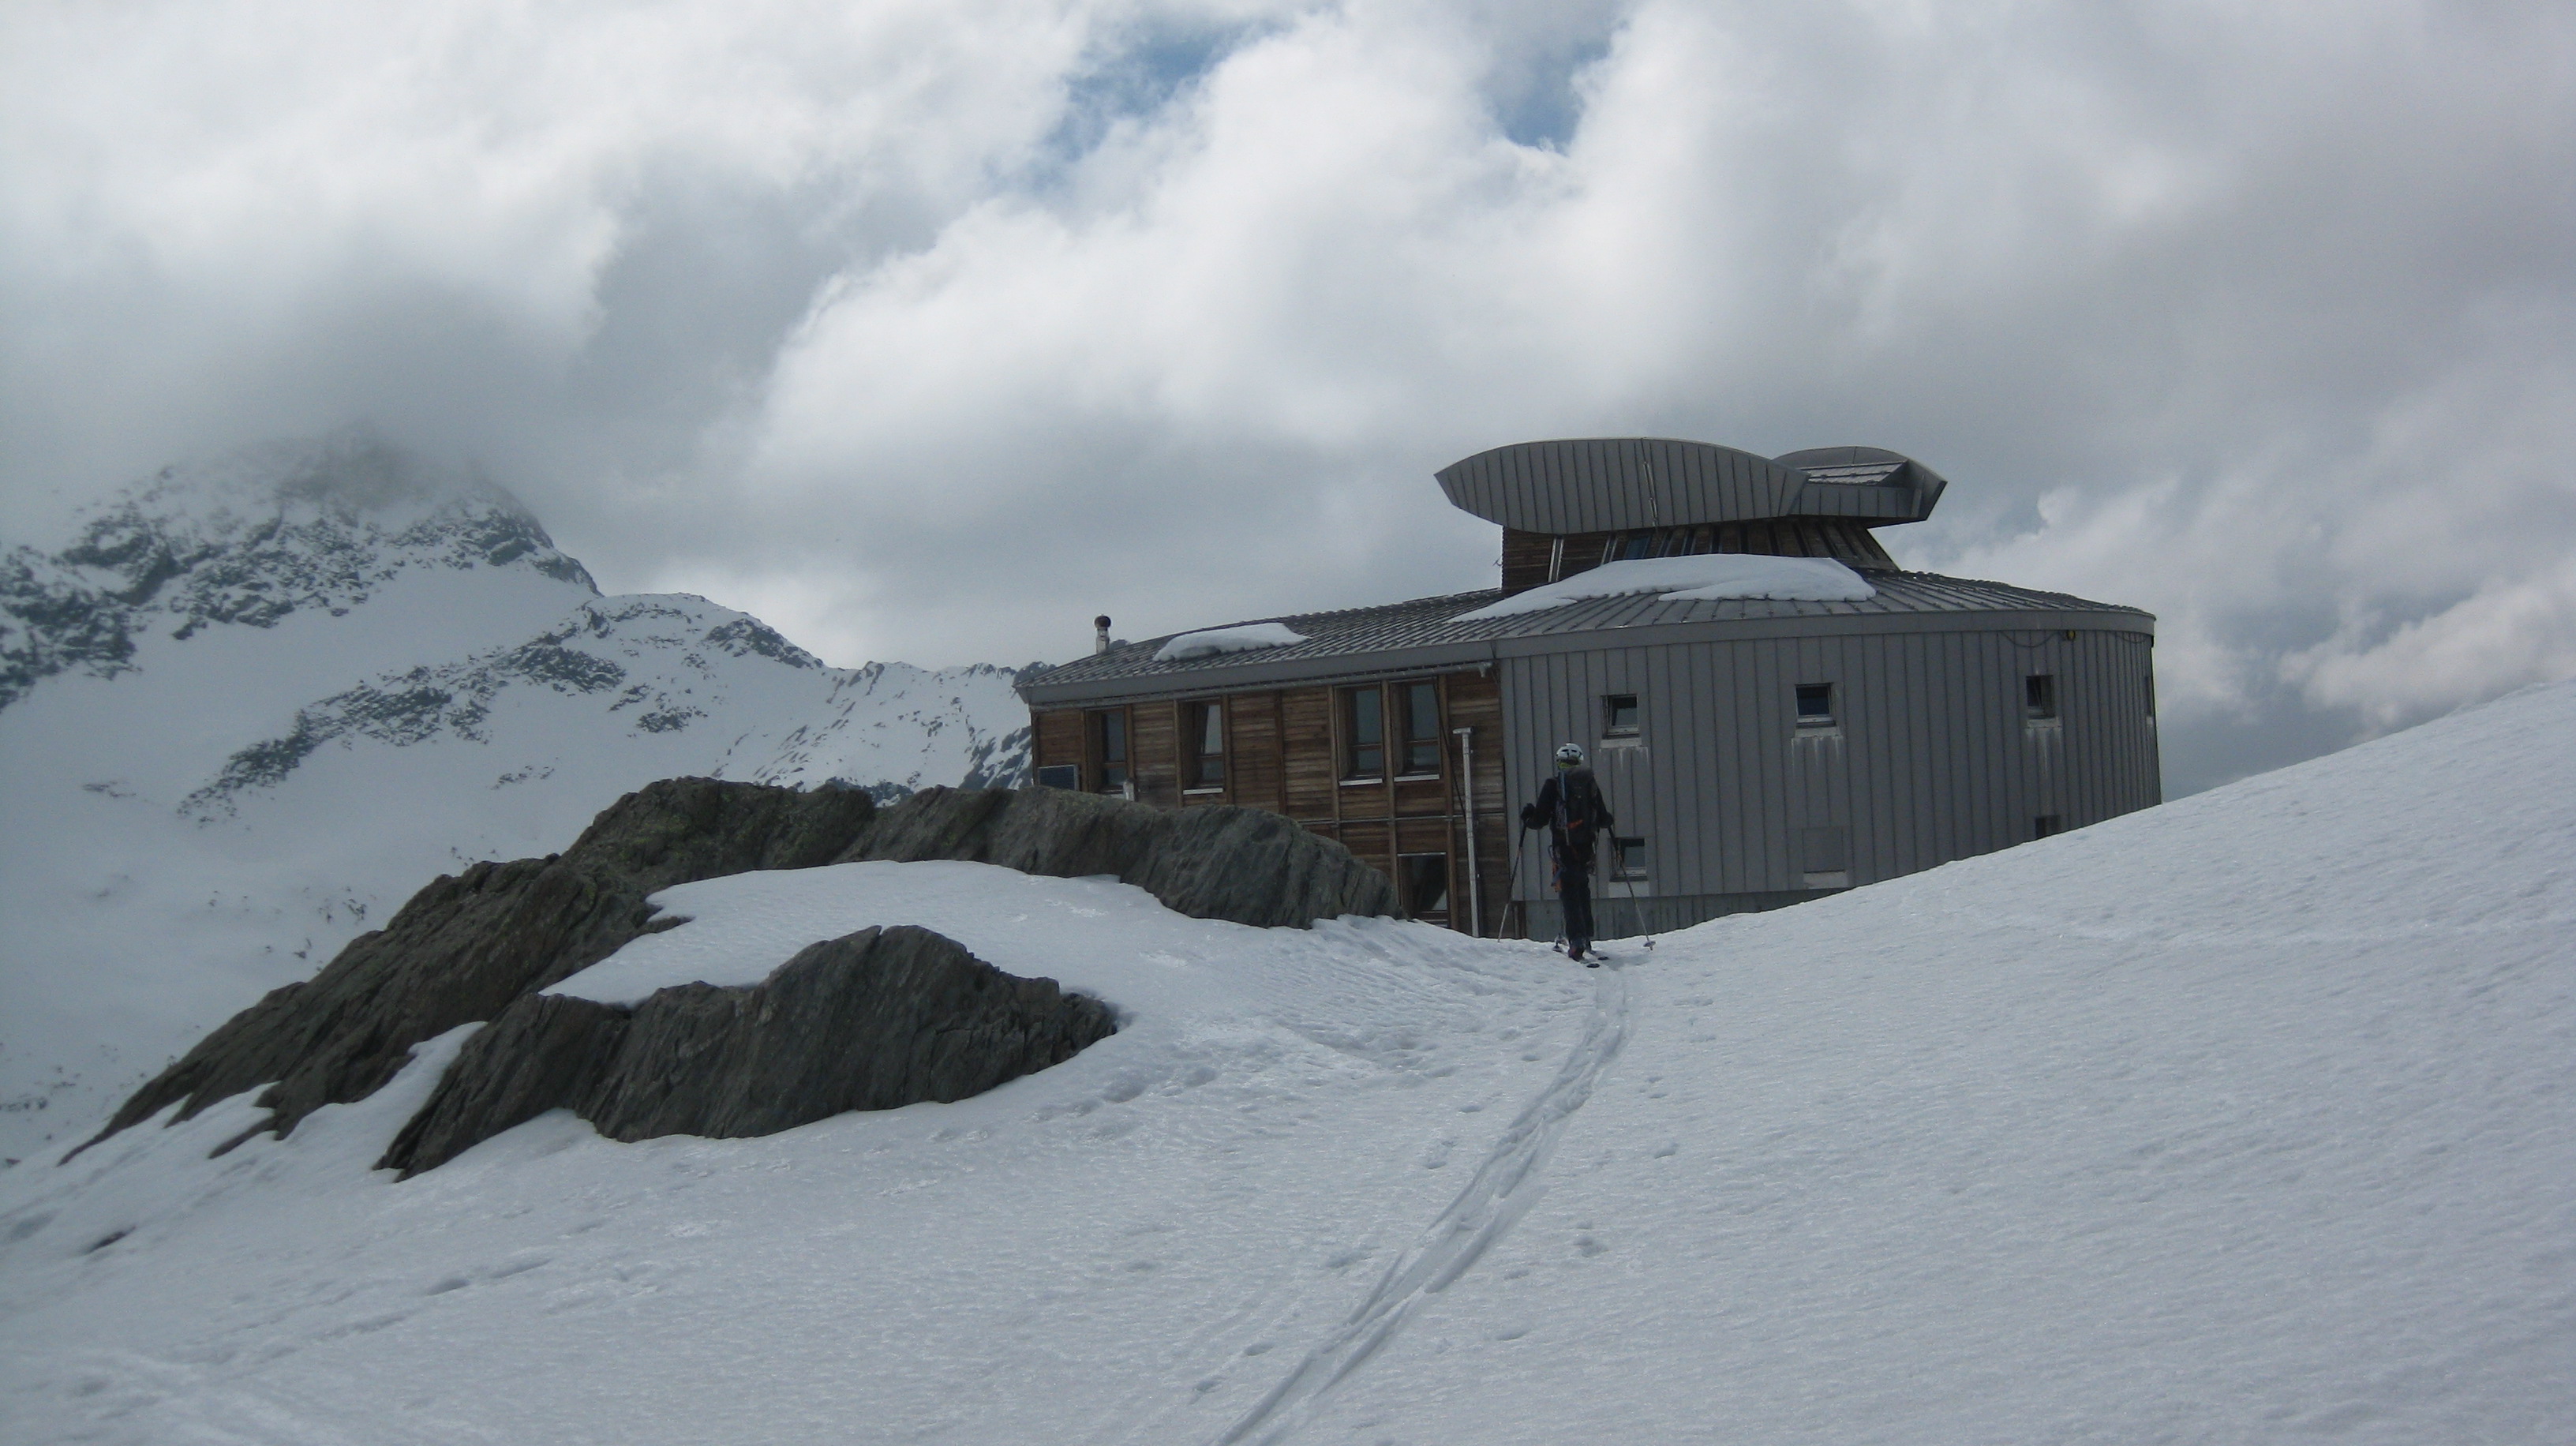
(1636, 545)
(1628, 859)
(1205, 735)
(1426, 884)
(2047, 825)
(1816, 705)
(2039, 697)
(1619, 715)
(1421, 727)
(1109, 749)
(1824, 850)
(1061, 775)
(1364, 733)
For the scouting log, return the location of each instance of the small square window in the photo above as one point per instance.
(1815, 705)
(2039, 696)
(2047, 825)
(1628, 860)
(1061, 775)
(1619, 715)
(1825, 850)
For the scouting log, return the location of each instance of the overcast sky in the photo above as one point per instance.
(927, 329)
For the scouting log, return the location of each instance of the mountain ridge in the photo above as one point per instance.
(260, 700)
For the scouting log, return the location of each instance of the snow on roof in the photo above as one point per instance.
(1694, 579)
(1241, 639)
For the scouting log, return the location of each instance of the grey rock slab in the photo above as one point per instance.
(870, 1021)
(471, 947)
(1239, 864)
(466, 946)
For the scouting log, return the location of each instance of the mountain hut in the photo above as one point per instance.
(1768, 731)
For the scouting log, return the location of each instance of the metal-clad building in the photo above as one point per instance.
(1756, 752)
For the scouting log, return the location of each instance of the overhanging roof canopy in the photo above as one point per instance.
(1615, 484)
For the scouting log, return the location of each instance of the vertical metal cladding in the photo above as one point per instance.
(1930, 757)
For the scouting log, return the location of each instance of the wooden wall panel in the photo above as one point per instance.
(1373, 841)
(1423, 836)
(1306, 725)
(1419, 797)
(1256, 764)
(1057, 737)
(1155, 746)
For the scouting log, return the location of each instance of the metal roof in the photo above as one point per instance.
(1614, 484)
(1427, 633)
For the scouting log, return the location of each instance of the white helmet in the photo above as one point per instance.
(1570, 756)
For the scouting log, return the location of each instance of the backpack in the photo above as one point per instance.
(1578, 803)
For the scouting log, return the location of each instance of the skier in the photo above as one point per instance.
(1571, 809)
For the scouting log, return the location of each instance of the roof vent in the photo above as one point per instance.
(1100, 634)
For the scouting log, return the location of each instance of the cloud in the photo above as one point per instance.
(931, 330)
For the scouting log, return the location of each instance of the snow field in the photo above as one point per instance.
(2242, 1119)
(1135, 1241)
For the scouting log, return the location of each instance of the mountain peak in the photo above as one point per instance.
(249, 539)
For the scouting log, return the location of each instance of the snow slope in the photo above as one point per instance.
(249, 708)
(2241, 1119)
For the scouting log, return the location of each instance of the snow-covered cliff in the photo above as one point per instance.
(248, 707)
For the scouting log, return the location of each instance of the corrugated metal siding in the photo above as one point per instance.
(1595, 484)
(1931, 758)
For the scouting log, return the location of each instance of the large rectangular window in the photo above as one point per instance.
(1421, 727)
(1203, 733)
(1364, 733)
(1426, 885)
(1109, 749)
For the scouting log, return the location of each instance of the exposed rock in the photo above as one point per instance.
(1210, 863)
(870, 1021)
(470, 945)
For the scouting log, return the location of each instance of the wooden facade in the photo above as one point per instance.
(1302, 752)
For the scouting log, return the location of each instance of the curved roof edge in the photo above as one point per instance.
(1610, 484)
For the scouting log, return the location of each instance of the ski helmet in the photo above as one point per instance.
(1570, 756)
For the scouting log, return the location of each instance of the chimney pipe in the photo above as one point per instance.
(1100, 634)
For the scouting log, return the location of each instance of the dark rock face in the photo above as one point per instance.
(469, 944)
(1209, 863)
(477, 945)
(870, 1021)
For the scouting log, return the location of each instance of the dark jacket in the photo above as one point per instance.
(1576, 828)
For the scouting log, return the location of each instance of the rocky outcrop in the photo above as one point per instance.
(476, 946)
(870, 1021)
(469, 944)
(1211, 863)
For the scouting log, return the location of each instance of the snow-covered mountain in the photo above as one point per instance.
(250, 707)
(2242, 1119)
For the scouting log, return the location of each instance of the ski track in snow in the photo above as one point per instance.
(1504, 1188)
